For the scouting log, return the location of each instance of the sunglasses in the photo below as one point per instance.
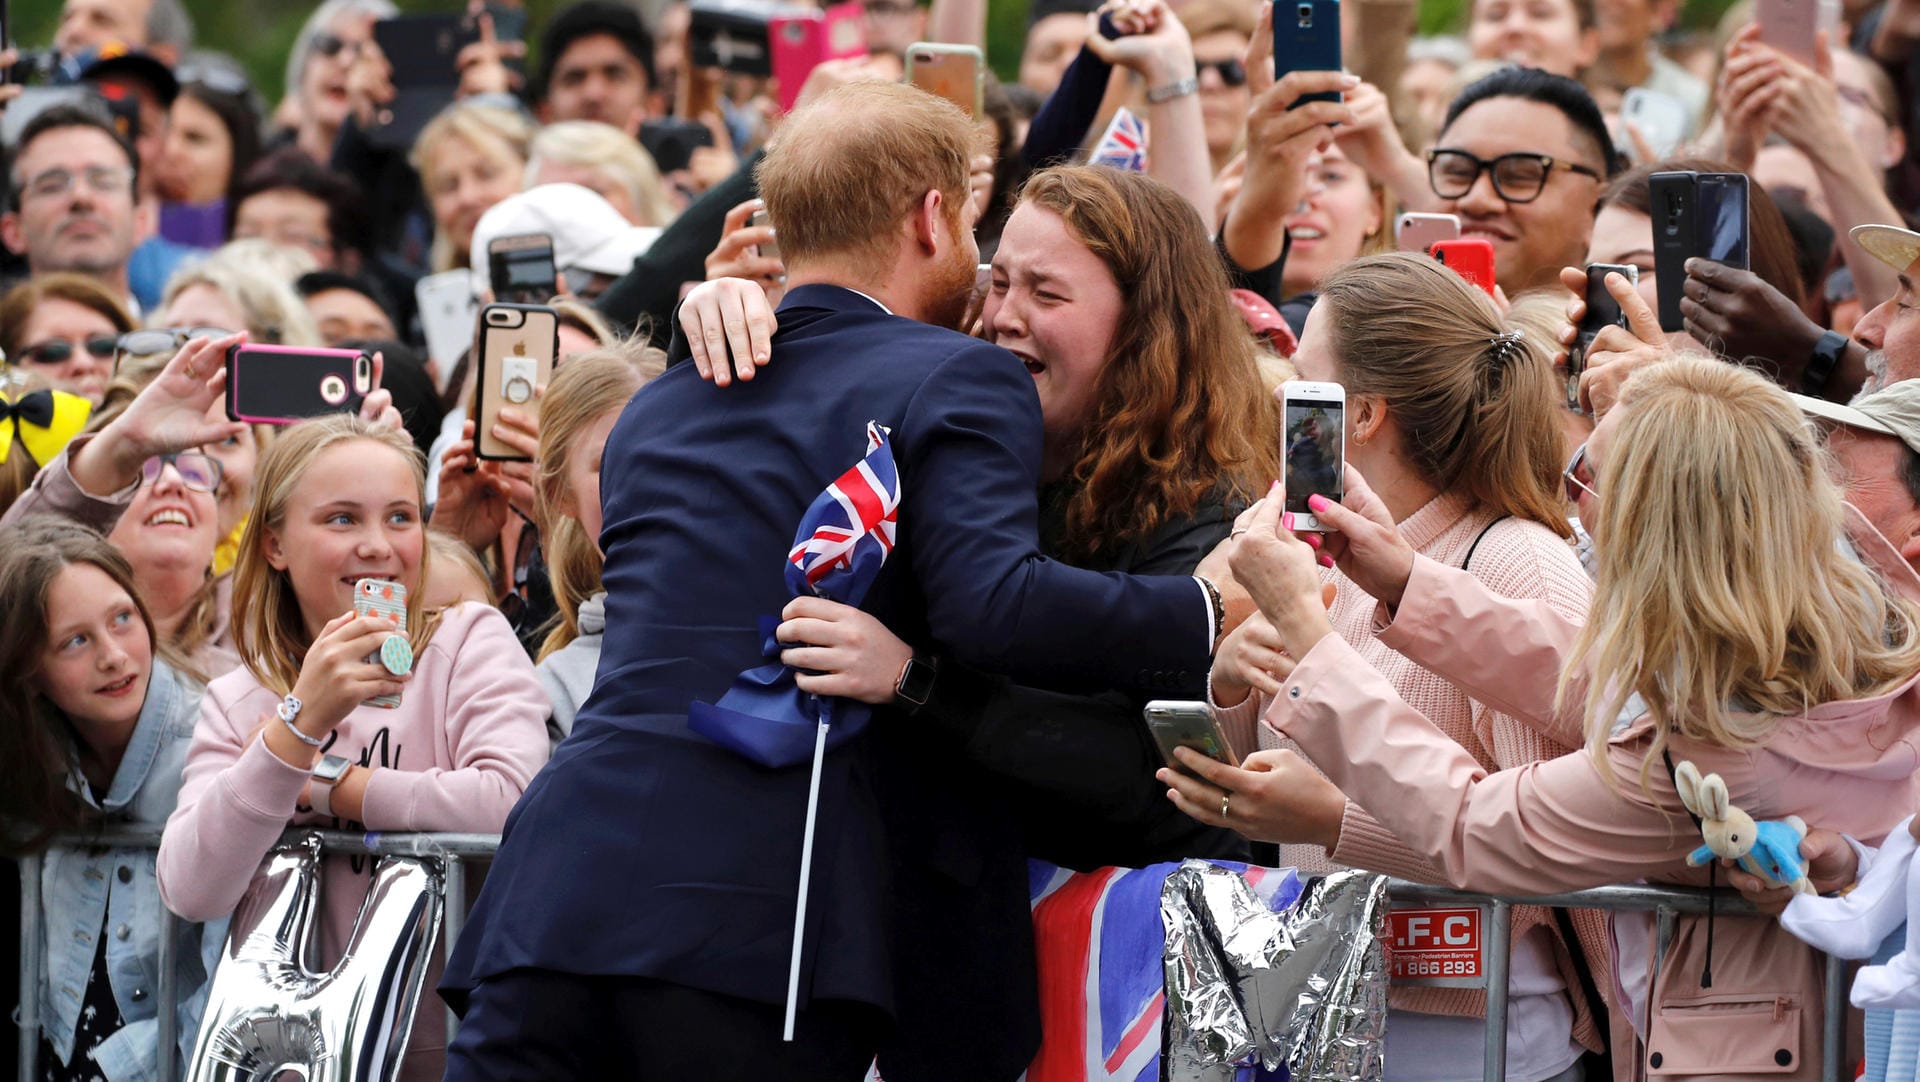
(332, 45)
(1572, 479)
(165, 339)
(197, 471)
(59, 350)
(1231, 71)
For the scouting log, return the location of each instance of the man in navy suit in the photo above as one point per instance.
(638, 920)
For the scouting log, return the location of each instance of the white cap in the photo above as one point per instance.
(1890, 244)
(1894, 410)
(587, 232)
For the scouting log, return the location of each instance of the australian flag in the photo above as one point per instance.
(843, 540)
(1124, 146)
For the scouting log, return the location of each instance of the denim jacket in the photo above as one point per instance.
(82, 889)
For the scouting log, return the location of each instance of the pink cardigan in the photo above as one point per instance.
(455, 755)
(1559, 825)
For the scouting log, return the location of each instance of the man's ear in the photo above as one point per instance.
(1909, 545)
(927, 221)
(10, 233)
(1589, 47)
(146, 218)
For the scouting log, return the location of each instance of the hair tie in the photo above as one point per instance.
(1503, 346)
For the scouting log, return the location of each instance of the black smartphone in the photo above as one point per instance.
(1306, 37)
(521, 270)
(1720, 201)
(422, 51)
(1602, 311)
(277, 385)
(671, 141)
(1676, 238)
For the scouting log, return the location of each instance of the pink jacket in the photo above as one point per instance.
(466, 739)
(1559, 825)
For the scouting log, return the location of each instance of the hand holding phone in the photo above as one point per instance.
(518, 346)
(1602, 311)
(1469, 257)
(1314, 447)
(954, 72)
(277, 385)
(380, 597)
(1187, 725)
(1306, 37)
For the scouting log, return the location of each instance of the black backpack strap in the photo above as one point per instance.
(1467, 564)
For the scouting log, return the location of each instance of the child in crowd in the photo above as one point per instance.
(339, 500)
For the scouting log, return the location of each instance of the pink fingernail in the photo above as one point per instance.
(1318, 503)
(1326, 560)
(1286, 520)
(1274, 489)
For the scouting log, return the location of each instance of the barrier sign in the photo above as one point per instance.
(1435, 946)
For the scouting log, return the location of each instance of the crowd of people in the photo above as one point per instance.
(1557, 561)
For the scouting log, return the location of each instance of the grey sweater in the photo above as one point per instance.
(567, 673)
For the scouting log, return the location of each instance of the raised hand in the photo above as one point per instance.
(169, 415)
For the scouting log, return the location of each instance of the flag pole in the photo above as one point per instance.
(806, 873)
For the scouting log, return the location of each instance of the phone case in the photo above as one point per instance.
(379, 597)
(770, 249)
(1306, 37)
(1661, 119)
(277, 385)
(447, 308)
(1420, 232)
(1314, 415)
(671, 141)
(954, 72)
(1602, 311)
(1720, 202)
(521, 269)
(513, 361)
(1789, 26)
(1187, 725)
(799, 43)
(1469, 257)
(1675, 239)
(422, 50)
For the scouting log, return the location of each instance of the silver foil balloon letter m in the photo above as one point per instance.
(268, 1012)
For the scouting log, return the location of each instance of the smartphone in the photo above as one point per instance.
(447, 307)
(767, 249)
(1661, 119)
(1306, 37)
(954, 72)
(518, 344)
(520, 268)
(1602, 311)
(671, 141)
(1789, 25)
(1676, 238)
(1315, 416)
(1469, 257)
(1176, 724)
(422, 51)
(1720, 206)
(379, 597)
(1415, 232)
(278, 385)
(799, 43)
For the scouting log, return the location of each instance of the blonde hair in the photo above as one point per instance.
(583, 390)
(1203, 17)
(1477, 409)
(490, 129)
(268, 629)
(254, 276)
(452, 550)
(607, 152)
(1723, 597)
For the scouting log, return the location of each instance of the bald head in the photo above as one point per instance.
(848, 171)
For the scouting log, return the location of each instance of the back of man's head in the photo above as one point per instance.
(56, 118)
(848, 170)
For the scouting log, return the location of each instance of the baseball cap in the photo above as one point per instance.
(587, 232)
(1890, 244)
(1894, 410)
(118, 60)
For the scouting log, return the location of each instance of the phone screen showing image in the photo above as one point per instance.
(1314, 445)
(1722, 210)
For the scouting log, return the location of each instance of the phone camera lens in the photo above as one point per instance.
(1306, 16)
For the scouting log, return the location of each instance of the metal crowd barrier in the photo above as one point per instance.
(452, 851)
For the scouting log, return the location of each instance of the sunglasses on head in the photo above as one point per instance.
(59, 350)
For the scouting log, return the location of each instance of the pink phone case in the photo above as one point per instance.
(277, 385)
(798, 44)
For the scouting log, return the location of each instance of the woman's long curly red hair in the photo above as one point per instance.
(1180, 411)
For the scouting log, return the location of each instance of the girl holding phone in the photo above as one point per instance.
(339, 500)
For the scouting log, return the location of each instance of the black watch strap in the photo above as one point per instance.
(1827, 354)
(915, 685)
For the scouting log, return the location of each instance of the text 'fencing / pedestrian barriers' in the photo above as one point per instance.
(451, 852)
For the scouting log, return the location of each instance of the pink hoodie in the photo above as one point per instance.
(454, 756)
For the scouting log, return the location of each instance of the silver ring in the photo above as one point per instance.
(1225, 799)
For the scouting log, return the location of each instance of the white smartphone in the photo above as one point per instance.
(1315, 446)
(1181, 724)
(1661, 119)
(447, 311)
(1413, 232)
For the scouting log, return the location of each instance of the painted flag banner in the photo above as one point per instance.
(842, 542)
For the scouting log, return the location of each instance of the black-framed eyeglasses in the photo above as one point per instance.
(60, 350)
(1517, 178)
(1231, 71)
(199, 472)
(1570, 477)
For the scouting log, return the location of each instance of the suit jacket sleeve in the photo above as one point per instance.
(970, 519)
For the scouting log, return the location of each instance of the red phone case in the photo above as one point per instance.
(1469, 257)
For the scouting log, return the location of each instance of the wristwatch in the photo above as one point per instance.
(1827, 353)
(326, 775)
(915, 685)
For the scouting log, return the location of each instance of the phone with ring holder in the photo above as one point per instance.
(519, 344)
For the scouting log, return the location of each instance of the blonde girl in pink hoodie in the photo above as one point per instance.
(339, 500)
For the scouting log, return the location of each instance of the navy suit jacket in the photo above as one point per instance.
(643, 849)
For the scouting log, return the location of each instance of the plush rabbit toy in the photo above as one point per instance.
(1770, 850)
(1853, 925)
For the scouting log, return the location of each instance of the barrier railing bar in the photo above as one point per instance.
(1494, 958)
(453, 909)
(167, 993)
(33, 945)
(1636, 897)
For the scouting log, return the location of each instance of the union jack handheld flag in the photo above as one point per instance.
(1124, 146)
(849, 530)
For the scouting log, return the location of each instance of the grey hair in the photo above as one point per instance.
(169, 24)
(322, 18)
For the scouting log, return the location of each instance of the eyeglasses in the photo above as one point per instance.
(197, 471)
(1517, 178)
(1231, 71)
(882, 7)
(60, 351)
(1570, 476)
(332, 45)
(165, 339)
(218, 80)
(102, 179)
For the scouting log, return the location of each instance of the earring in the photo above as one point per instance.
(1359, 441)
